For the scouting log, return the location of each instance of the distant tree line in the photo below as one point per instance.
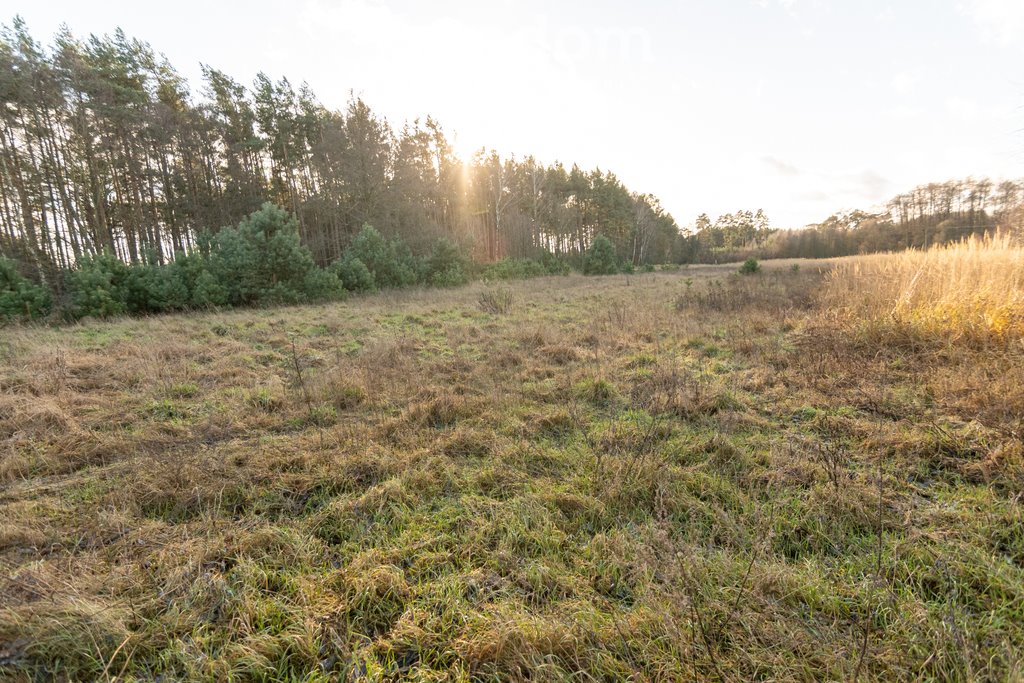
(105, 153)
(935, 213)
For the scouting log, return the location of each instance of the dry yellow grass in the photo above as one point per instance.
(971, 291)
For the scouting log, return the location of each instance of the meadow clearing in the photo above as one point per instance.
(813, 472)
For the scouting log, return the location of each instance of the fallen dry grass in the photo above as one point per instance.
(668, 476)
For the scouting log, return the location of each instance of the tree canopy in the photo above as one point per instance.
(105, 149)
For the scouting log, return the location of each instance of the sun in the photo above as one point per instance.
(464, 149)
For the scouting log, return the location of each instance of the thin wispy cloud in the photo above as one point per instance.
(999, 20)
(781, 167)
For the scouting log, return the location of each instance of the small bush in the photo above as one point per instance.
(152, 287)
(19, 297)
(98, 287)
(207, 292)
(545, 263)
(322, 285)
(262, 261)
(750, 266)
(447, 266)
(514, 269)
(553, 264)
(354, 274)
(389, 261)
(452, 277)
(600, 257)
(496, 301)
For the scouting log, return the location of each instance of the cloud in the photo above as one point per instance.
(781, 167)
(853, 188)
(788, 5)
(813, 196)
(904, 112)
(870, 185)
(1002, 21)
(903, 82)
(964, 109)
(802, 13)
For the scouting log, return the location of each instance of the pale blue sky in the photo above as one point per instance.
(800, 107)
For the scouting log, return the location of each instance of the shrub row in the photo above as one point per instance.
(262, 262)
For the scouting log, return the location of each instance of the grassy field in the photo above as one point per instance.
(794, 475)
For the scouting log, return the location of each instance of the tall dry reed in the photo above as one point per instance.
(970, 291)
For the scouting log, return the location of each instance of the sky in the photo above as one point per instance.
(799, 107)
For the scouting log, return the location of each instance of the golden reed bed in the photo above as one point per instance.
(970, 291)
